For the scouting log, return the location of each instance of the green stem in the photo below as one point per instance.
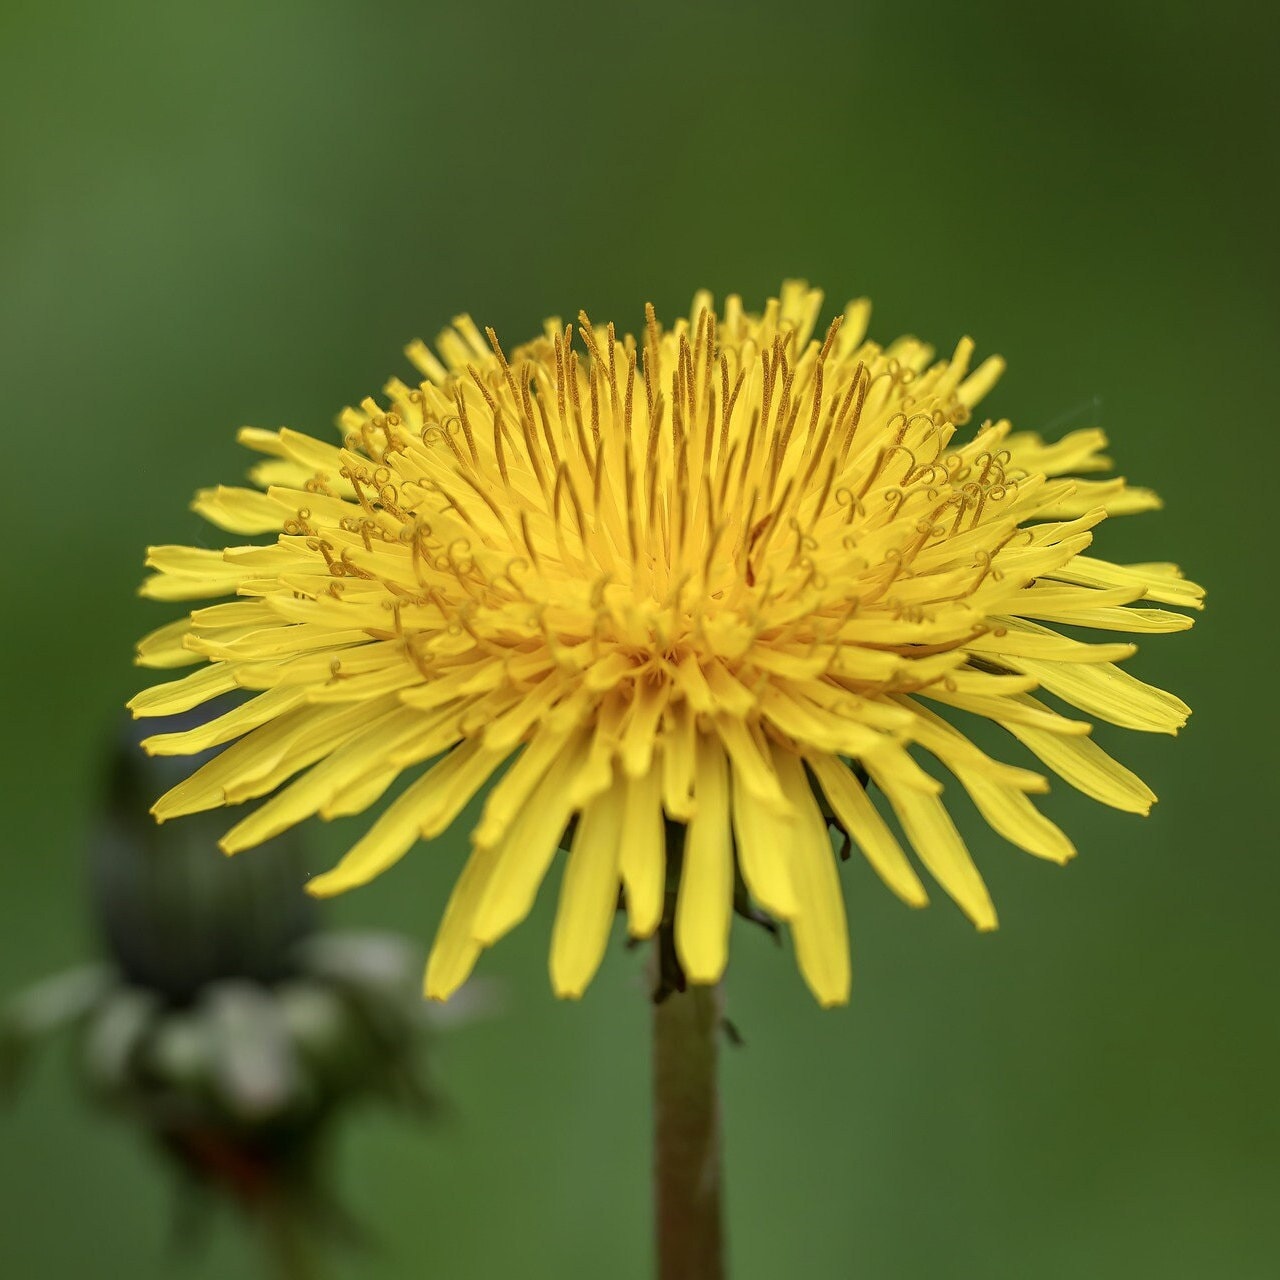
(284, 1242)
(686, 1116)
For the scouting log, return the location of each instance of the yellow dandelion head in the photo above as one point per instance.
(717, 580)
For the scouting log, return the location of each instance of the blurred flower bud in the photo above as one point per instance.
(228, 1026)
(174, 912)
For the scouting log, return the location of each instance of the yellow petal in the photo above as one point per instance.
(423, 810)
(1137, 620)
(1008, 710)
(1162, 582)
(246, 511)
(752, 766)
(704, 904)
(164, 647)
(517, 785)
(640, 735)
(938, 845)
(1076, 452)
(996, 788)
(1088, 768)
(818, 726)
(189, 573)
(182, 695)
(980, 381)
(642, 853)
(819, 926)
(258, 762)
(859, 817)
(1111, 694)
(361, 793)
(525, 853)
(588, 896)
(1117, 496)
(232, 724)
(956, 751)
(764, 839)
(1017, 639)
(1009, 812)
(364, 688)
(455, 950)
(505, 731)
(362, 752)
(678, 762)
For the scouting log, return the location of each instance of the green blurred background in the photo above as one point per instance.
(230, 213)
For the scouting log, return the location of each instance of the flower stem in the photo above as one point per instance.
(686, 1116)
(284, 1242)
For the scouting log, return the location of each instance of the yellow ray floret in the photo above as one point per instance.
(693, 598)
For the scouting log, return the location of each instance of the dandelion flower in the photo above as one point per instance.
(723, 579)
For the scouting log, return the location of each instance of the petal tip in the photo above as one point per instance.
(434, 989)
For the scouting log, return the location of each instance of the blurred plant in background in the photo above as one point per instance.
(226, 1023)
